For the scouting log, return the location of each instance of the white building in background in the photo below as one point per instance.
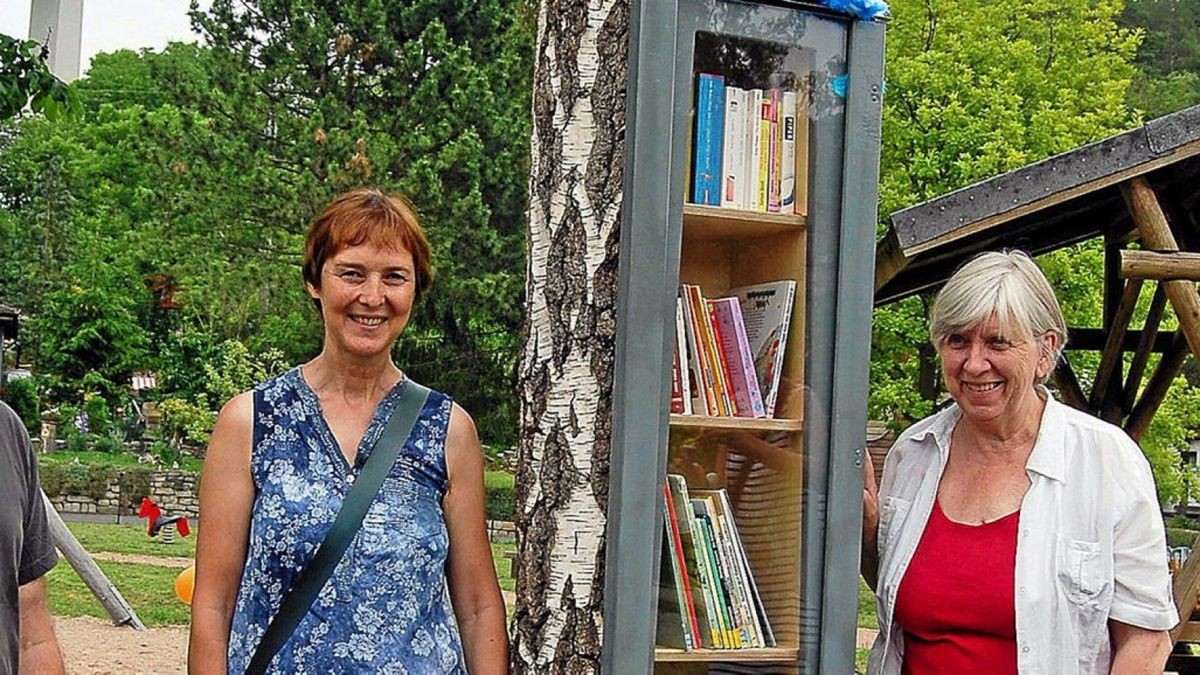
(60, 22)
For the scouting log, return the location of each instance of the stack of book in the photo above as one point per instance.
(708, 598)
(748, 147)
(729, 351)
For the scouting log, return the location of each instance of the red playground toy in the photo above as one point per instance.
(158, 521)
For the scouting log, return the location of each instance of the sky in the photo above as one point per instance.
(109, 25)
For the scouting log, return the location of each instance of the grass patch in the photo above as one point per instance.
(110, 537)
(498, 479)
(150, 590)
(866, 607)
(504, 571)
(113, 459)
(861, 655)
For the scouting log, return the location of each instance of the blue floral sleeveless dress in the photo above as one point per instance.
(386, 608)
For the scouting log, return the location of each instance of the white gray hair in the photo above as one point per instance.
(1007, 284)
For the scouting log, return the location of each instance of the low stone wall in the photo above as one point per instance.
(174, 491)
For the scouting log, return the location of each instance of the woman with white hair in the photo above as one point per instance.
(1011, 533)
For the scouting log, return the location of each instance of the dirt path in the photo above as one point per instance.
(156, 560)
(95, 646)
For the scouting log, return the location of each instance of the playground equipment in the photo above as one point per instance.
(158, 523)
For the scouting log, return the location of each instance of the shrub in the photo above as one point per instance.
(22, 396)
(500, 500)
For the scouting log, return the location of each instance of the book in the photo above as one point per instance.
(671, 629)
(692, 555)
(703, 396)
(775, 165)
(767, 315)
(736, 348)
(713, 584)
(736, 633)
(801, 163)
(677, 614)
(706, 151)
(723, 373)
(710, 363)
(766, 636)
(787, 163)
(733, 156)
(682, 371)
(763, 188)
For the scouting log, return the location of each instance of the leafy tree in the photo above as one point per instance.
(975, 89)
(201, 166)
(1168, 62)
(26, 81)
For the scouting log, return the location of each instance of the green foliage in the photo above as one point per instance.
(200, 167)
(1172, 430)
(182, 419)
(22, 396)
(25, 80)
(1168, 61)
(975, 89)
(74, 477)
(499, 487)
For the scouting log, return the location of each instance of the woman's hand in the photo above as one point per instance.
(869, 558)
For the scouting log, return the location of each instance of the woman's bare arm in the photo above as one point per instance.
(226, 498)
(474, 591)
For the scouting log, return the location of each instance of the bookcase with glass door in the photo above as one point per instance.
(733, 543)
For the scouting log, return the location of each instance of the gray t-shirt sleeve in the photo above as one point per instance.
(37, 552)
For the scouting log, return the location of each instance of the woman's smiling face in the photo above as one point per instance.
(991, 375)
(366, 296)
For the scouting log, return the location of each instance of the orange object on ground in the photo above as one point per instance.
(185, 583)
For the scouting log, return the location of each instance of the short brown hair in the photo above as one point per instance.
(362, 215)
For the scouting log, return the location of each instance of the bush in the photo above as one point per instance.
(22, 396)
(92, 480)
(500, 499)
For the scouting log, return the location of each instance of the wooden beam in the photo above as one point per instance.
(889, 259)
(1141, 355)
(1156, 389)
(1186, 587)
(1179, 265)
(1093, 339)
(1110, 359)
(1118, 178)
(1156, 234)
(1068, 385)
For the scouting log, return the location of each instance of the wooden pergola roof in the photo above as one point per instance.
(1046, 205)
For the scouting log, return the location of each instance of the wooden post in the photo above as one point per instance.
(1068, 385)
(1176, 266)
(1156, 389)
(87, 569)
(1156, 234)
(1110, 359)
(1141, 355)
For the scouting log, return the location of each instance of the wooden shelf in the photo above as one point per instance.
(767, 655)
(741, 423)
(714, 222)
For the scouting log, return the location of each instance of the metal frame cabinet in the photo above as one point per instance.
(844, 153)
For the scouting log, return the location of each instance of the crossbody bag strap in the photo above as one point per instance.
(349, 519)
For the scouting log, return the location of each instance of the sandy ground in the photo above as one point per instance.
(96, 646)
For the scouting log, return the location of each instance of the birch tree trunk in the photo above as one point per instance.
(566, 371)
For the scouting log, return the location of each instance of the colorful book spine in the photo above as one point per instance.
(683, 589)
(764, 155)
(736, 349)
(725, 373)
(776, 165)
(693, 552)
(706, 151)
(704, 396)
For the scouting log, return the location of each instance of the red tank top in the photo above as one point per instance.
(956, 603)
